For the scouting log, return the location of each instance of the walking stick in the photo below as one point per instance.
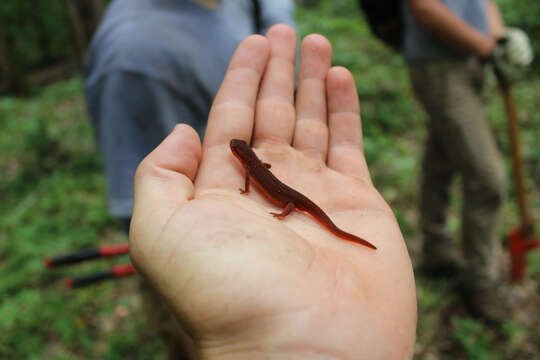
(521, 239)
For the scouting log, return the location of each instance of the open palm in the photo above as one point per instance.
(243, 283)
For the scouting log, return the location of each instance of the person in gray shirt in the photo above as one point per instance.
(153, 64)
(446, 43)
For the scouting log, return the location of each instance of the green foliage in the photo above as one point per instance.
(525, 15)
(472, 336)
(52, 192)
(477, 341)
(38, 32)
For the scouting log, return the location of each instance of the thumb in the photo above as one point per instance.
(163, 182)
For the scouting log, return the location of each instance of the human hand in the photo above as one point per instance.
(513, 52)
(244, 284)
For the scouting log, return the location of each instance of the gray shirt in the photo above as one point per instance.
(422, 46)
(155, 63)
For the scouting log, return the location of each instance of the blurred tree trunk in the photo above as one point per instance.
(84, 16)
(92, 12)
(4, 61)
(78, 29)
(42, 37)
(10, 79)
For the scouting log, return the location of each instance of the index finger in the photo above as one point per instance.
(232, 113)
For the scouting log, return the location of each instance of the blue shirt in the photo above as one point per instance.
(422, 46)
(155, 63)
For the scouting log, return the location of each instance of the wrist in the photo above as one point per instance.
(268, 356)
(487, 47)
(234, 352)
(263, 346)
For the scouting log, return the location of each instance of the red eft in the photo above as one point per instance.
(284, 195)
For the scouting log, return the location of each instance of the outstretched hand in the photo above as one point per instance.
(244, 284)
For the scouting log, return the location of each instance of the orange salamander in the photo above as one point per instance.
(287, 197)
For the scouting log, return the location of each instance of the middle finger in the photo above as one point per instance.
(311, 133)
(274, 114)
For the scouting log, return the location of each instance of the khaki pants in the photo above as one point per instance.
(459, 142)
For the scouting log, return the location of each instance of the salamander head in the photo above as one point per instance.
(238, 148)
(244, 153)
(236, 143)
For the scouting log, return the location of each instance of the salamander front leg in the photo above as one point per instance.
(286, 211)
(245, 190)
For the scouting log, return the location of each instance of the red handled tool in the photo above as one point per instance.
(117, 271)
(103, 251)
(521, 240)
(86, 254)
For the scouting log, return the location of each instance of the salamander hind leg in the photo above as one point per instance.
(286, 211)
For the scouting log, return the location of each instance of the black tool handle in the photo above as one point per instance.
(72, 258)
(118, 271)
(89, 279)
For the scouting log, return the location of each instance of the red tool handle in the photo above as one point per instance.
(87, 254)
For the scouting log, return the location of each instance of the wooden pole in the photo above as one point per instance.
(77, 27)
(4, 62)
(10, 75)
(525, 216)
(95, 10)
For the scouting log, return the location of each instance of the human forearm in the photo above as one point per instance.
(495, 21)
(441, 21)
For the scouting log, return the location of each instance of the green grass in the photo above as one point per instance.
(53, 201)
